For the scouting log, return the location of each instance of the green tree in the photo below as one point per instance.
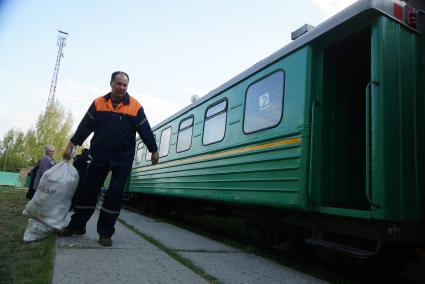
(12, 146)
(52, 127)
(32, 152)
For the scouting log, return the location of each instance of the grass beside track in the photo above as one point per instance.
(21, 262)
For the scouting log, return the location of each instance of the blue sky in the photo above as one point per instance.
(170, 49)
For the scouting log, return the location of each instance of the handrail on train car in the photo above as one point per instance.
(368, 143)
(314, 105)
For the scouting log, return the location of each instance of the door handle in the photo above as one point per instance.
(368, 135)
(314, 106)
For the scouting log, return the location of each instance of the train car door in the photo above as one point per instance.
(339, 179)
(369, 123)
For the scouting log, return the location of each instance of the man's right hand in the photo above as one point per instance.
(155, 158)
(68, 151)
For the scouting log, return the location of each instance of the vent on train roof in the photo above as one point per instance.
(302, 30)
(194, 98)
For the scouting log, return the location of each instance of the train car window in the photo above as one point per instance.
(149, 154)
(264, 103)
(215, 123)
(139, 152)
(216, 109)
(184, 138)
(164, 145)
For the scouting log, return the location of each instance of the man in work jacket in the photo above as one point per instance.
(114, 120)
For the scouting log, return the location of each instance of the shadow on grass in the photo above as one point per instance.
(21, 262)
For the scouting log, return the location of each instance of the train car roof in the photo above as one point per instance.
(380, 6)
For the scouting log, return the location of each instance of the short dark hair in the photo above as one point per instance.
(116, 73)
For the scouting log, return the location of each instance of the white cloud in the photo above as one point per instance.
(331, 7)
(25, 102)
(30, 90)
(77, 97)
(12, 118)
(194, 91)
(30, 101)
(158, 109)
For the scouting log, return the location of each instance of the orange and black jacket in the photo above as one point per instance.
(114, 130)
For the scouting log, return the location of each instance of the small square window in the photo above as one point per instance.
(215, 123)
(184, 137)
(139, 152)
(164, 145)
(149, 154)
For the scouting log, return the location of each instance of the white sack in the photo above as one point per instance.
(52, 200)
(36, 231)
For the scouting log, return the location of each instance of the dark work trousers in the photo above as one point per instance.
(87, 197)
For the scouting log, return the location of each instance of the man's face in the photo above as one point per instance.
(119, 87)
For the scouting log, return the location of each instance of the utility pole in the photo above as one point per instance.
(62, 37)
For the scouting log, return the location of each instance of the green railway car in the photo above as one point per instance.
(328, 131)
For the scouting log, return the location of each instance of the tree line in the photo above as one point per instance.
(21, 150)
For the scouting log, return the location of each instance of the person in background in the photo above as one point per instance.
(114, 120)
(32, 174)
(44, 164)
(81, 163)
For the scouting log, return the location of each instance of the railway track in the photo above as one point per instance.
(237, 232)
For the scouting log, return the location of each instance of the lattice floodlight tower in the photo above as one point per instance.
(62, 36)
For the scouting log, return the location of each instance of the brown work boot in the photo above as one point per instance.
(105, 241)
(68, 232)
